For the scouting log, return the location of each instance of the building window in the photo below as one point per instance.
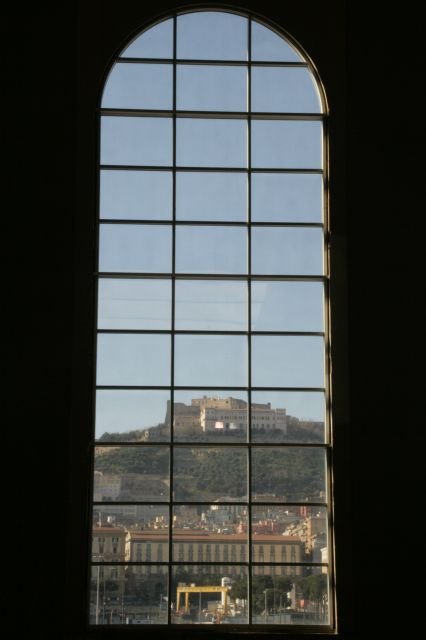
(212, 357)
(242, 553)
(233, 553)
(101, 545)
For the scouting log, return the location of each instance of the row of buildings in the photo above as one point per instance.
(114, 544)
(131, 562)
(301, 540)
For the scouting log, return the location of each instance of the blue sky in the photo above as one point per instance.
(139, 195)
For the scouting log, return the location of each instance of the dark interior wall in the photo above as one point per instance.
(57, 53)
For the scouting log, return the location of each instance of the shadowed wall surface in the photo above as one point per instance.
(58, 54)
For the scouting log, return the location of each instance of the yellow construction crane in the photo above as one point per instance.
(205, 589)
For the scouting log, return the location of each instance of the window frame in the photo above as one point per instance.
(256, 630)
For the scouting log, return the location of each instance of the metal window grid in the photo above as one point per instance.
(249, 277)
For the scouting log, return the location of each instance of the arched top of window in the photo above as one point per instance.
(283, 78)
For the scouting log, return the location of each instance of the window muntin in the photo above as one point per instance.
(213, 283)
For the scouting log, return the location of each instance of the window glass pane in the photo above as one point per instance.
(205, 526)
(133, 359)
(130, 516)
(286, 197)
(288, 474)
(303, 419)
(287, 251)
(284, 89)
(203, 360)
(211, 305)
(136, 595)
(210, 416)
(286, 144)
(287, 306)
(131, 474)
(211, 249)
(211, 143)
(135, 248)
(150, 544)
(156, 42)
(268, 421)
(134, 304)
(205, 474)
(139, 86)
(294, 595)
(130, 415)
(136, 195)
(108, 542)
(285, 532)
(267, 45)
(209, 607)
(211, 35)
(211, 88)
(113, 539)
(287, 361)
(136, 141)
(207, 196)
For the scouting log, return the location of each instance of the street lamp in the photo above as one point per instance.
(103, 601)
(99, 557)
(266, 594)
(97, 597)
(123, 616)
(274, 603)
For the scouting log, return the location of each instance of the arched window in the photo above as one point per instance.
(212, 373)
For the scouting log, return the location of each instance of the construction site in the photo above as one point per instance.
(207, 604)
